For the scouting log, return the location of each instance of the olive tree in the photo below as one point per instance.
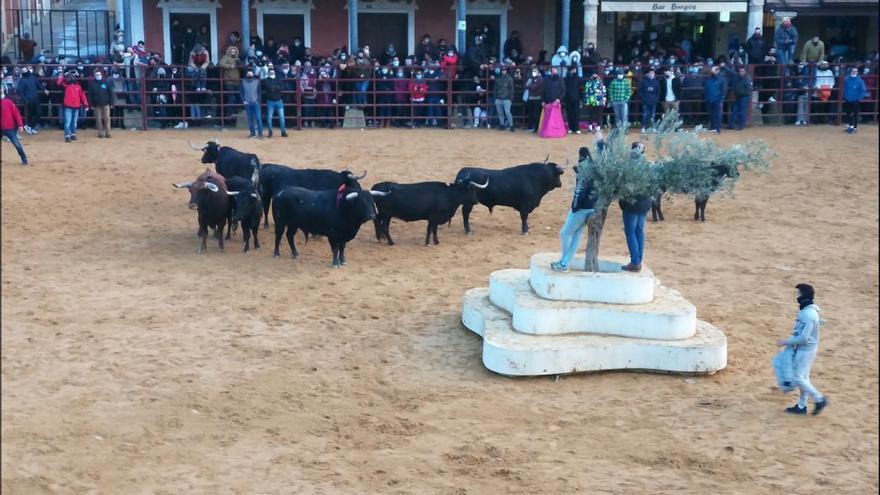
(684, 163)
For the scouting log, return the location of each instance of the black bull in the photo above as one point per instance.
(435, 202)
(274, 178)
(229, 162)
(521, 187)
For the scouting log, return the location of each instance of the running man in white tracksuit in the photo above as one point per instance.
(805, 342)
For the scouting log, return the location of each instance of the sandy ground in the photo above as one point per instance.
(131, 364)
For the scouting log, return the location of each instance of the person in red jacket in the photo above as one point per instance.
(10, 123)
(74, 99)
(418, 89)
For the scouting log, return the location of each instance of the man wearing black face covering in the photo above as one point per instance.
(805, 342)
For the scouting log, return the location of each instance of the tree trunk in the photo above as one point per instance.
(594, 234)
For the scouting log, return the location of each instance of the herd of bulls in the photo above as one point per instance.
(332, 204)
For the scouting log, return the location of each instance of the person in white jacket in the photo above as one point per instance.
(804, 341)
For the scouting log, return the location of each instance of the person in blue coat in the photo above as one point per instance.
(854, 91)
(715, 90)
(649, 92)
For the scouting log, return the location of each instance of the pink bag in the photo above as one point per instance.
(552, 125)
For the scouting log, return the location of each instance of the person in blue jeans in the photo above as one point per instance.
(583, 206)
(742, 92)
(273, 87)
(635, 212)
(649, 92)
(10, 123)
(250, 95)
(715, 90)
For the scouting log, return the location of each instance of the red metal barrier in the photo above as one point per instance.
(446, 101)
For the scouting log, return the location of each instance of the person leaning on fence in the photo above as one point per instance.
(532, 96)
(100, 94)
(572, 100)
(74, 100)
(230, 71)
(619, 93)
(10, 123)
(649, 91)
(504, 98)
(715, 90)
(30, 88)
(813, 50)
(805, 342)
(785, 39)
(272, 88)
(854, 91)
(823, 93)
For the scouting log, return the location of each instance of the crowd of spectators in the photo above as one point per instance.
(438, 85)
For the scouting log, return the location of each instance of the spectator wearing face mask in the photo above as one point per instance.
(823, 93)
(401, 98)
(572, 100)
(100, 93)
(74, 100)
(649, 90)
(670, 91)
(742, 93)
(854, 91)
(327, 96)
(297, 51)
(418, 90)
(870, 79)
(427, 50)
(619, 93)
(594, 101)
(273, 88)
(117, 109)
(10, 123)
(449, 59)
(503, 90)
(756, 48)
(30, 88)
(309, 95)
(785, 40)
(436, 95)
(197, 67)
(513, 45)
(250, 95)
(384, 96)
(715, 90)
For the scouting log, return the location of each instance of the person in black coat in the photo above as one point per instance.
(554, 87)
(100, 96)
(573, 93)
(583, 206)
(670, 90)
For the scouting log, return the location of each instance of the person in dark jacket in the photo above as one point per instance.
(635, 212)
(583, 206)
(100, 95)
(512, 46)
(535, 88)
(29, 88)
(714, 90)
(384, 97)
(554, 87)
(503, 92)
(649, 91)
(273, 88)
(691, 94)
(854, 91)
(573, 98)
(742, 93)
(756, 48)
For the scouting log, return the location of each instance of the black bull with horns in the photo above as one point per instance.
(435, 202)
(229, 162)
(274, 178)
(520, 187)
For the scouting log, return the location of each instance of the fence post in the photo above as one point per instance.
(840, 77)
(299, 113)
(222, 93)
(449, 78)
(143, 85)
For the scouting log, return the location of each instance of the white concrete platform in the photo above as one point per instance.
(508, 352)
(668, 317)
(610, 285)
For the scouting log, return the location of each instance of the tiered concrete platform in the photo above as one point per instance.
(636, 324)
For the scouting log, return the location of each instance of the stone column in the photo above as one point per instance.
(353, 26)
(245, 29)
(756, 18)
(461, 33)
(591, 21)
(566, 23)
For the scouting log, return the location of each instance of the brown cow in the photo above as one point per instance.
(208, 194)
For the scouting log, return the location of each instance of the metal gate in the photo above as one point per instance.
(80, 33)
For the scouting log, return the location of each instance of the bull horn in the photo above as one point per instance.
(361, 177)
(479, 186)
(232, 193)
(350, 196)
(547, 159)
(566, 164)
(379, 193)
(193, 147)
(216, 140)
(185, 185)
(213, 187)
(255, 195)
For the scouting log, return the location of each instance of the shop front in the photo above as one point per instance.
(696, 26)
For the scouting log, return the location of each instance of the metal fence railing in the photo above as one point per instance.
(450, 101)
(79, 33)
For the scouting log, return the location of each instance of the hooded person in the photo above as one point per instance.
(804, 343)
(560, 58)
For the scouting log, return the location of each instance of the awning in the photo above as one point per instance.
(684, 7)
